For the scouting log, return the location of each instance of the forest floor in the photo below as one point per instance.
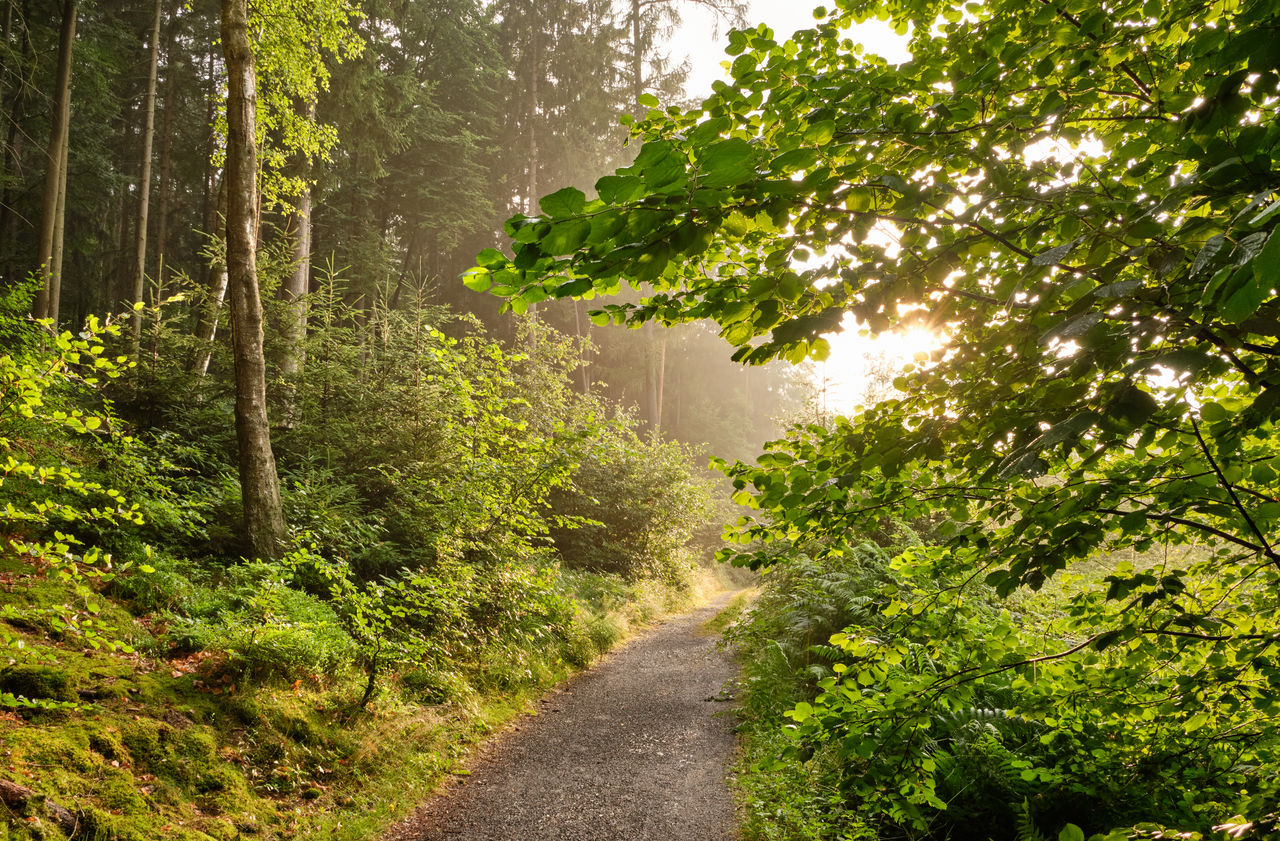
(636, 748)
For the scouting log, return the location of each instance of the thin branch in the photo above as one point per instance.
(1266, 547)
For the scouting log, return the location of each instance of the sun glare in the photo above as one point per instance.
(861, 368)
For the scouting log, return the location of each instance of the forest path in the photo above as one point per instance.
(630, 750)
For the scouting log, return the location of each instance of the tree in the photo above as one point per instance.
(259, 484)
(1015, 161)
(1084, 202)
(55, 180)
(144, 178)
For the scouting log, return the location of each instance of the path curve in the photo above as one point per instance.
(631, 750)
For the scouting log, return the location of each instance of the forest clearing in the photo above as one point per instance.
(369, 369)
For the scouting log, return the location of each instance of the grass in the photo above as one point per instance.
(731, 612)
(166, 745)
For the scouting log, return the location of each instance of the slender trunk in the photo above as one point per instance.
(370, 683)
(144, 178)
(208, 208)
(531, 200)
(662, 376)
(207, 328)
(259, 482)
(59, 227)
(637, 58)
(216, 286)
(53, 172)
(298, 282)
(166, 159)
(12, 155)
(656, 346)
(578, 327)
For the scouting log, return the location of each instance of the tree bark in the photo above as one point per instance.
(53, 178)
(298, 282)
(531, 201)
(144, 179)
(259, 483)
(59, 225)
(166, 157)
(216, 284)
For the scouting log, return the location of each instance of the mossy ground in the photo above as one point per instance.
(161, 745)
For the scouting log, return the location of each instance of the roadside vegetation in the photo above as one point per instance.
(158, 685)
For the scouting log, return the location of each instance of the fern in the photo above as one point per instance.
(1027, 830)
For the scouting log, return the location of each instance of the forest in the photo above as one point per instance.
(369, 367)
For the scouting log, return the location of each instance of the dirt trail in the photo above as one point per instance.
(631, 750)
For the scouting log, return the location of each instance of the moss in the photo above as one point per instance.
(195, 744)
(117, 791)
(223, 791)
(145, 739)
(39, 682)
(300, 729)
(66, 749)
(246, 710)
(102, 826)
(106, 742)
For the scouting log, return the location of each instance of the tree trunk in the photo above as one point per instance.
(298, 282)
(531, 200)
(166, 156)
(207, 327)
(53, 172)
(144, 179)
(655, 357)
(216, 284)
(259, 483)
(584, 368)
(637, 58)
(59, 225)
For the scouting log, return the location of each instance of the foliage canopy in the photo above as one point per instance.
(1083, 202)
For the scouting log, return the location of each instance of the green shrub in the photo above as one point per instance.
(633, 509)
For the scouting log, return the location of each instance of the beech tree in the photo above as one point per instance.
(259, 483)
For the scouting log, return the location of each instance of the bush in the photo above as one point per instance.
(633, 508)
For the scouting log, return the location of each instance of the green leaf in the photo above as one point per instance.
(820, 133)
(565, 237)
(477, 279)
(568, 201)
(619, 189)
(1071, 832)
(727, 162)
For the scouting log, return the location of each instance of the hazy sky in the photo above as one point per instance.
(704, 46)
(853, 356)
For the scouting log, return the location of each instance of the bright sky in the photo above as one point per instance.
(843, 379)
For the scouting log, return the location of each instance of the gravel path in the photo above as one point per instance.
(631, 750)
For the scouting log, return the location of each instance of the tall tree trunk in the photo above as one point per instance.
(531, 200)
(637, 58)
(208, 203)
(12, 156)
(655, 344)
(59, 225)
(259, 483)
(53, 173)
(144, 178)
(166, 150)
(298, 283)
(584, 369)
